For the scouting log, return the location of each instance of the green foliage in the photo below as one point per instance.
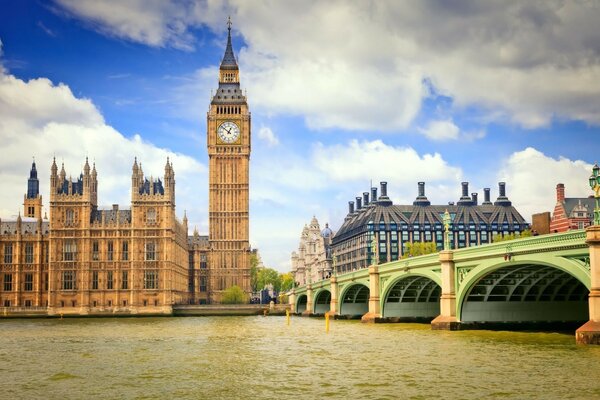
(419, 248)
(512, 236)
(234, 295)
(268, 276)
(287, 282)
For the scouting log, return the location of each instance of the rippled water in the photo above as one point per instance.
(257, 357)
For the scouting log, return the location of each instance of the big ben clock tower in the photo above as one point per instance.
(228, 142)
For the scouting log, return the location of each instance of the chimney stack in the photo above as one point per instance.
(421, 189)
(365, 199)
(502, 200)
(465, 189)
(474, 197)
(350, 207)
(421, 198)
(373, 194)
(383, 189)
(486, 196)
(465, 199)
(384, 200)
(358, 203)
(560, 193)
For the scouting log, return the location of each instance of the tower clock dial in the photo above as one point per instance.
(228, 132)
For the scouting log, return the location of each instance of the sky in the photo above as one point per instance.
(342, 93)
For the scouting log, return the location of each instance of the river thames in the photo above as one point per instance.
(258, 357)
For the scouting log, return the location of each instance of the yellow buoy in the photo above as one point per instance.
(327, 323)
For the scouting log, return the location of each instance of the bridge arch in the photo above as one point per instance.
(412, 297)
(322, 301)
(354, 300)
(528, 291)
(301, 304)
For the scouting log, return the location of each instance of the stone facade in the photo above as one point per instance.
(228, 142)
(313, 261)
(87, 260)
(137, 260)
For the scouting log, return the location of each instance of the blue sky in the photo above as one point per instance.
(341, 94)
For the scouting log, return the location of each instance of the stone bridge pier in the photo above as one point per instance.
(333, 305)
(589, 333)
(374, 314)
(447, 318)
(309, 301)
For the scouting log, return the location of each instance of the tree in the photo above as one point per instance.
(287, 281)
(268, 276)
(512, 236)
(234, 295)
(254, 271)
(419, 248)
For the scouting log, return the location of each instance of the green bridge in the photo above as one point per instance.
(543, 279)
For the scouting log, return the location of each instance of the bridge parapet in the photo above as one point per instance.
(534, 244)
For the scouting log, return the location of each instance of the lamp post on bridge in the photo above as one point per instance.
(595, 186)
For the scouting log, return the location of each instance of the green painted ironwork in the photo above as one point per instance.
(565, 256)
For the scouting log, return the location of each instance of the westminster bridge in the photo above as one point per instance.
(542, 279)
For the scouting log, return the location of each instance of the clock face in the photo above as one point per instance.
(228, 132)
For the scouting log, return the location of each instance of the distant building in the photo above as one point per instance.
(313, 261)
(394, 226)
(571, 213)
(540, 223)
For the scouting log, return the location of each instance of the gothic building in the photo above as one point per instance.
(393, 226)
(87, 260)
(228, 142)
(313, 261)
(140, 259)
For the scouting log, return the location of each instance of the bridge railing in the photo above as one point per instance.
(554, 241)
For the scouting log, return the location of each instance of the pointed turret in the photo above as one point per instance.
(33, 183)
(229, 61)
(86, 167)
(229, 75)
(32, 204)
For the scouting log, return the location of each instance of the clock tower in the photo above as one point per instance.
(228, 141)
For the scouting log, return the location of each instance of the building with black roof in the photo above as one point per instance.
(394, 226)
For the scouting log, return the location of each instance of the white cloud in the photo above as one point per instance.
(362, 161)
(441, 130)
(362, 65)
(532, 177)
(41, 119)
(265, 133)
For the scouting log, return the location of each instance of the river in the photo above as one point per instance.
(263, 358)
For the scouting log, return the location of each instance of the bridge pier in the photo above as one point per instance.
(374, 314)
(589, 333)
(447, 319)
(292, 301)
(309, 301)
(333, 304)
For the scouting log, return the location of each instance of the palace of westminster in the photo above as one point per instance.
(86, 260)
